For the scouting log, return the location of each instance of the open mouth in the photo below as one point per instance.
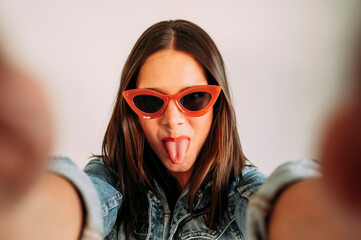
(176, 148)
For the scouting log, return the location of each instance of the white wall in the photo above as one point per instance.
(284, 61)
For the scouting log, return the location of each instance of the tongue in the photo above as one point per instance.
(176, 150)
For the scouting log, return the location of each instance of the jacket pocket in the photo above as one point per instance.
(197, 227)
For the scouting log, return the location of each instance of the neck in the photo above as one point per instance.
(183, 178)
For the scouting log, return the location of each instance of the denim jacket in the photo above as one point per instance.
(98, 188)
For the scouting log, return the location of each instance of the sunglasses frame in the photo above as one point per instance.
(212, 89)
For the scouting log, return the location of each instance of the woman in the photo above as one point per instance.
(173, 137)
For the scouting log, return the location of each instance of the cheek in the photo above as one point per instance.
(201, 126)
(149, 127)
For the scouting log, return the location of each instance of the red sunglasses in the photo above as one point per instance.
(194, 101)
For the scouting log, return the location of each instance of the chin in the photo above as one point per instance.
(177, 168)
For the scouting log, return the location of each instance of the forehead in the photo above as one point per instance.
(170, 71)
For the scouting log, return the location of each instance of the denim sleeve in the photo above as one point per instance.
(250, 181)
(96, 185)
(93, 225)
(261, 202)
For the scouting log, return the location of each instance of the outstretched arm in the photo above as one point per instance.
(50, 209)
(305, 211)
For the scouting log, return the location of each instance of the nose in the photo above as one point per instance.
(172, 115)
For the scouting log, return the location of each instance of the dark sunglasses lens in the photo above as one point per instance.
(195, 101)
(148, 103)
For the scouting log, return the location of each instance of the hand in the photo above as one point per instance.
(25, 133)
(341, 156)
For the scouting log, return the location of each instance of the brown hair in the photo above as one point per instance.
(125, 147)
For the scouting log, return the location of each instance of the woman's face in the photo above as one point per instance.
(175, 137)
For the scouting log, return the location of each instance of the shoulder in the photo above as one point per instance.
(243, 188)
(250, 181)
(97, 168)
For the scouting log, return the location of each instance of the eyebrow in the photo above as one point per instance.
(160, 91)
(155, 89)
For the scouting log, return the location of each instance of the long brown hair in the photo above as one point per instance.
(125, 148)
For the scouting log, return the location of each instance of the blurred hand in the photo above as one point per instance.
(341, 150)
(25, 133)
(341, 160)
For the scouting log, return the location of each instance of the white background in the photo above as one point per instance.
(285, 62)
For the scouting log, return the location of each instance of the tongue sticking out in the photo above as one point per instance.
(176, 150)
